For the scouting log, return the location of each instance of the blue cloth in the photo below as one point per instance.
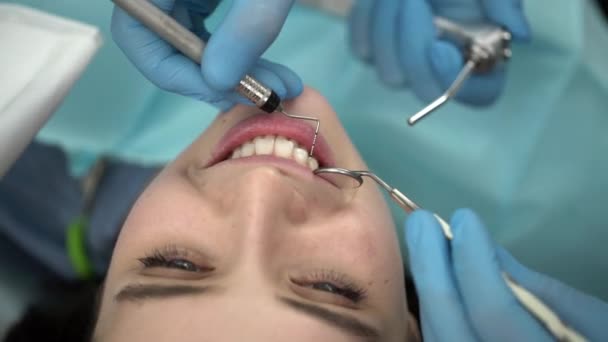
(39, 199)
(534, 165)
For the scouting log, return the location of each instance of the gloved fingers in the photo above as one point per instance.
(384, 40)
(156, 59)
(417, 34)
(178, 74)
(198, 11)
(446, 61)
(431, 268)
(578, 310)
(479, 89)
(291, 81)
(510, 14)
(148, 51)
(359, 24)
(175, 8)
(282, 80)
(459, 10)
(132, 37)
(245, 33)
(483, 90)
(494, 311)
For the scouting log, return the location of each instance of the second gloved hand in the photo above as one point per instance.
(399, 39)
(463, 296)
(232, 51)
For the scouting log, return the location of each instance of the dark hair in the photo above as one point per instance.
(67, 312)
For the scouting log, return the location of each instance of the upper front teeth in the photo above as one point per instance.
(278, 146)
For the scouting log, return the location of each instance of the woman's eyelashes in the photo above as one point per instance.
(172, 257)
(177, 262)
(158, 260)
(331, 282)
(353, 294)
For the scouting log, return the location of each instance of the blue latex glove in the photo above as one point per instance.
(232, 51)
(464, 297)
(399, 38)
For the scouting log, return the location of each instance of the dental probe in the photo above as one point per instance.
(192, 46)
(484, 47)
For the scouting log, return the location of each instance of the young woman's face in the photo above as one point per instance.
(257, 248)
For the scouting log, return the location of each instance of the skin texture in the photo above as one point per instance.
(258, 233)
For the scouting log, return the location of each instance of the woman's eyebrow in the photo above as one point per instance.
(138, 292)
(349, 324)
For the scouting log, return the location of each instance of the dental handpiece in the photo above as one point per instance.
(484, 47)
(192, 47)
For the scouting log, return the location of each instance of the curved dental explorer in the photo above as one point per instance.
(192, 46)
(528, 300)
(281, 110)
(484, 47)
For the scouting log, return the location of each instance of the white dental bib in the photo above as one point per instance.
(42, 57)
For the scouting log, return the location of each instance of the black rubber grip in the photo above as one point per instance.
(272, 104)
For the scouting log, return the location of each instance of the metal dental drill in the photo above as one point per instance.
(192, 46)
(484, 47)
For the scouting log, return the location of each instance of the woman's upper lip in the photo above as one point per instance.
(272, 124)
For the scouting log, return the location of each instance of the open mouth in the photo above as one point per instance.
(278, 146)
(274, 136)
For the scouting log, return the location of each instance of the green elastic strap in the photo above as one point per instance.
(75, 244)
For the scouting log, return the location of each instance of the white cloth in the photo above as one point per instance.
(42, 57)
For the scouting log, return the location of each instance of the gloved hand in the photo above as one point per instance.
(399, 39)
(463, 296)
(231, 52)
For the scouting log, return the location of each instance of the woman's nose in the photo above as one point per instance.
(267, 194)
(267, 200)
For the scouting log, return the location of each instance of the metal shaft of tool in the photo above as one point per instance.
(466, 71)
(533, 304)
(192, 47)
(317, 126)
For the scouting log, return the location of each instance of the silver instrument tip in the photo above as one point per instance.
(309, 118)
(451, 92)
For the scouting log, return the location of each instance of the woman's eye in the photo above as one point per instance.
(331, 282)
(327, 287)
(349, 292)
(157, 261)
(181, 264)
(176, 262)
